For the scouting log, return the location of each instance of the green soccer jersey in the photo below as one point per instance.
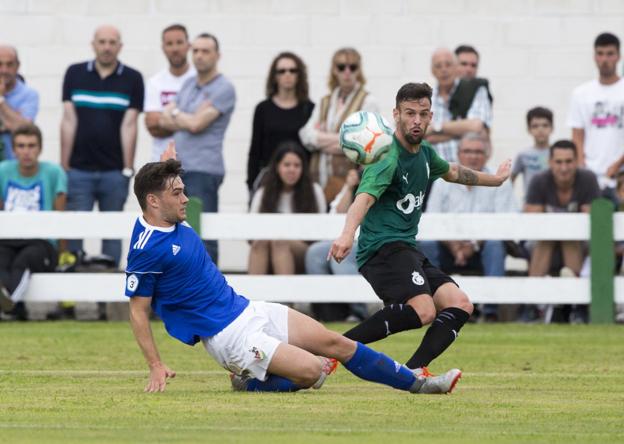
(398, 183)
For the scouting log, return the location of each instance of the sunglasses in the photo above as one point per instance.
(283, 71)
(342, 66)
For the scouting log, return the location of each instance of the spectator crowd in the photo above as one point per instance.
(295, 164)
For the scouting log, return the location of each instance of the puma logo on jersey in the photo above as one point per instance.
(404, 176)
(417, 278)
(409, 203)
(175, 249)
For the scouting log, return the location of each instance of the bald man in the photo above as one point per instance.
(19, 103)
(459, 106)
(102, 99)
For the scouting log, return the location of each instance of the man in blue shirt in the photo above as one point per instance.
(199, 118)
(267, 346)
(18, 103)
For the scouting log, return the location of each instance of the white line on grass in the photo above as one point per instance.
(281, 429)
(88, 372)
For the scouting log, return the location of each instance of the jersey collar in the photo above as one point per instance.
(143, 222)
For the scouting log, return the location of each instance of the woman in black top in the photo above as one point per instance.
(279, 117)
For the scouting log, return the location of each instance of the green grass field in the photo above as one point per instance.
(83, 382)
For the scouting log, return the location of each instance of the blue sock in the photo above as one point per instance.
(373, 366)
(273, 383)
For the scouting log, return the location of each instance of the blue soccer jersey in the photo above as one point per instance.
(188, 291)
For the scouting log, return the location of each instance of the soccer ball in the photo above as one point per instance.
(365, 137)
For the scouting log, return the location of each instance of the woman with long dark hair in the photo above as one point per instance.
(279, 117)
(286, 188)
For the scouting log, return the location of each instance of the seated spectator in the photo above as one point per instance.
(316, 260)
(483, 256)
(328, 164)
(19, 103)
(27, 185)
(534, 159)
(281, 115)
(562, 188)
(286, 188)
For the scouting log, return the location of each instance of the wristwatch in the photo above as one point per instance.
(127, 172)
(437, 127)
(175, 112)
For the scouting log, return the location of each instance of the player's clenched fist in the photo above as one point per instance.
(340, 248)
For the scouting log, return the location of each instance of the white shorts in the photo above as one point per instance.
(247, 345)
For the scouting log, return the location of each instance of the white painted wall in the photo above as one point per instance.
(533, 51)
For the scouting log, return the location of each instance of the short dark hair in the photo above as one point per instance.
(27, 129)
(563, 144)
(539, 112)
(175, 27)
(153, 178)
(461, 49)
(413, 91)
(607, 39)
(207, 35)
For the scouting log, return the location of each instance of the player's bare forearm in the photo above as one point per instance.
(356, 213)
(139, 320)
(466, 176)
(341, 247)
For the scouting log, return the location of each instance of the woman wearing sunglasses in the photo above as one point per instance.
(320, 134)
(279, 117)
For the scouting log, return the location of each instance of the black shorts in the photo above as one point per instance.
(398, 272)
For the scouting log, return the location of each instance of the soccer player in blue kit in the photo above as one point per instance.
(267, 346)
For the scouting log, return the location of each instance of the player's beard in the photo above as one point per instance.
(412, 140)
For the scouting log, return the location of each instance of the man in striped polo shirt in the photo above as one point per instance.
(102, 99)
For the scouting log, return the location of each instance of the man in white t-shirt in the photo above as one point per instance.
(164, 86)
(597, 114)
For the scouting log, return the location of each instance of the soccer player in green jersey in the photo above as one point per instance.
(387, 208)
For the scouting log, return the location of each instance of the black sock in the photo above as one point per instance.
(389, 320)
(439, 336)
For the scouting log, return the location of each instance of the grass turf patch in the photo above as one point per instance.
(83, 382)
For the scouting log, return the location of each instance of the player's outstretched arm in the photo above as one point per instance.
(341, 247)
(460, 174)
(139, 319)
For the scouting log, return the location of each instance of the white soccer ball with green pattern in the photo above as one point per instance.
(365, 137)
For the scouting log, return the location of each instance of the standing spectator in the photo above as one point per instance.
(102, 99)
(467, 61)
(485, 256)
(563, 188)
(328, 164)
(458, 106)
(19, 103)
(27, 185)
(199, 119)
(597, 114)
(281, 115)
(534, 159)
(286, 188)
(316, 261)
(163, 87)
